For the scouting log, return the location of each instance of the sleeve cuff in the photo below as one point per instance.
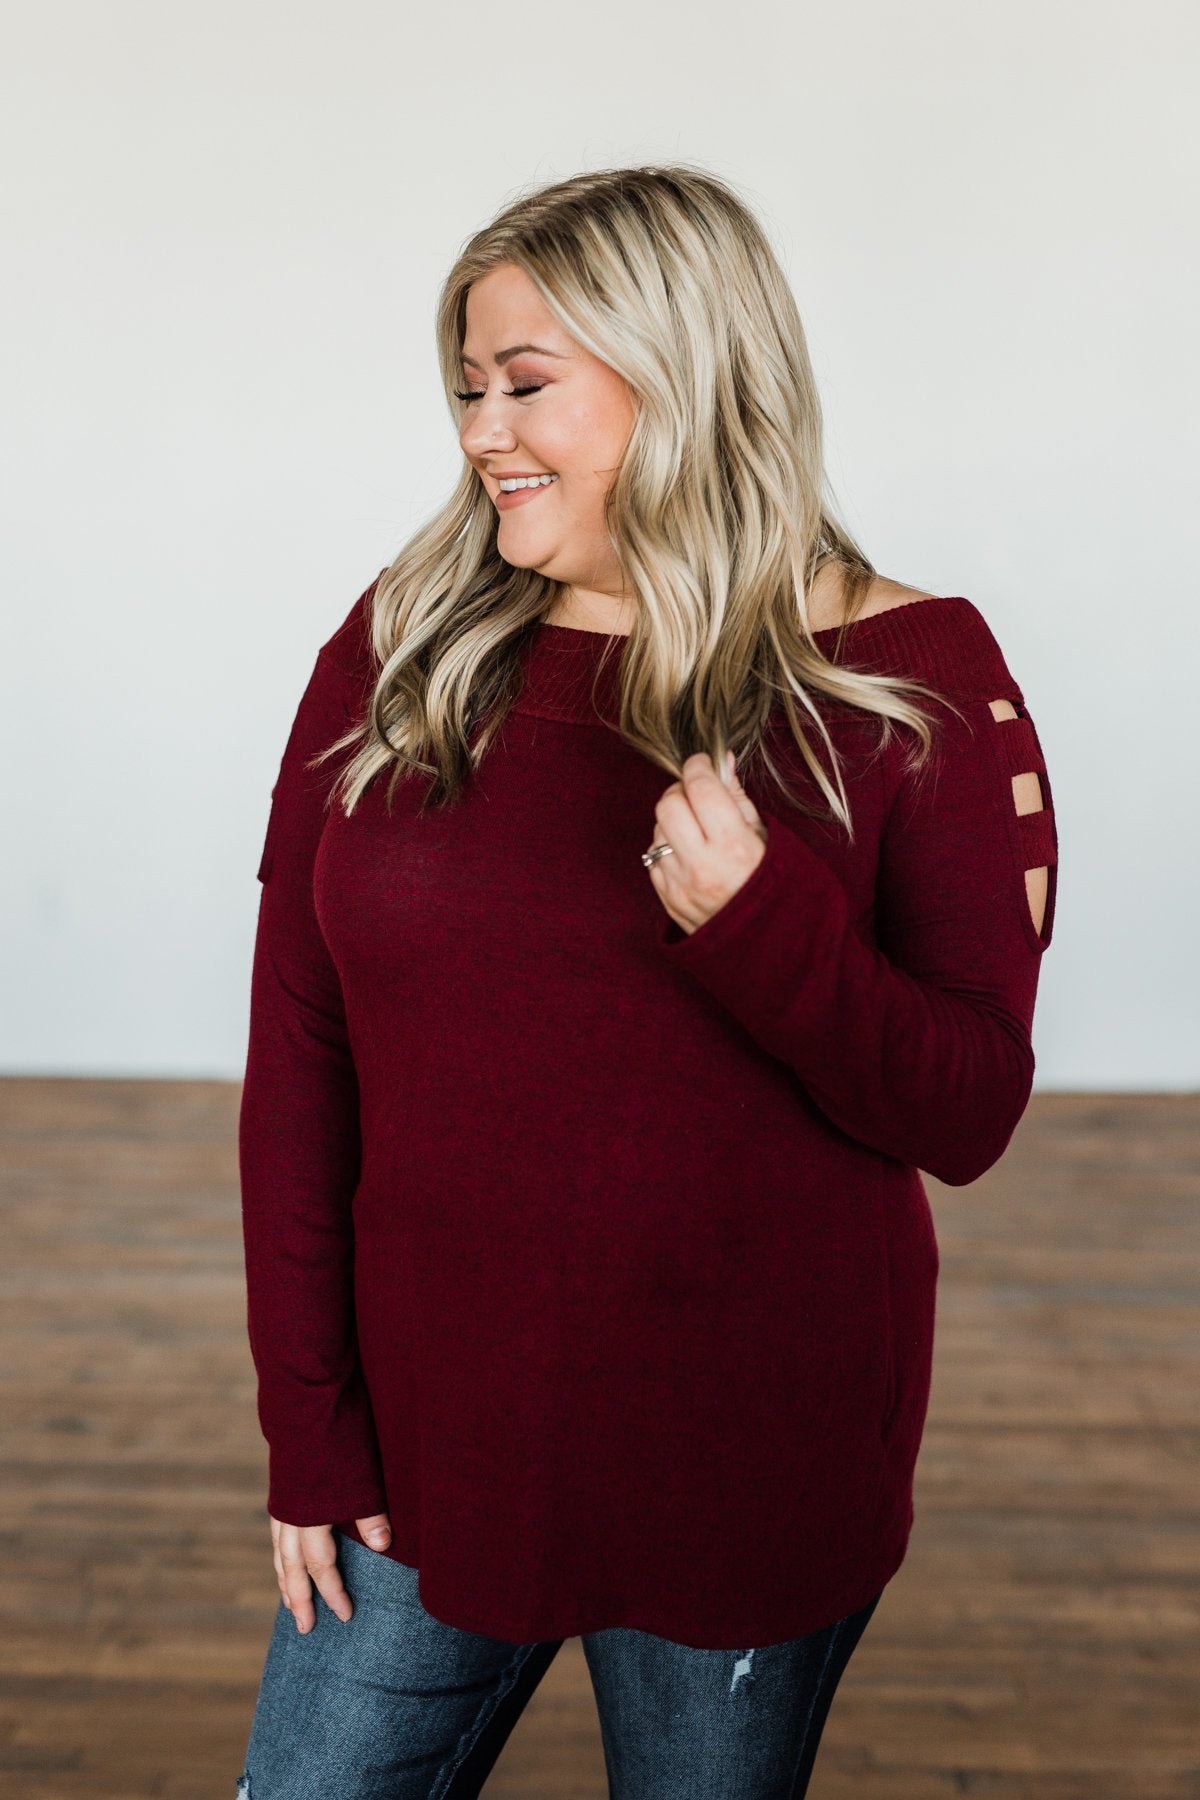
(310, 1505)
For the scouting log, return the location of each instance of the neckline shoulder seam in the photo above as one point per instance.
(567, 632)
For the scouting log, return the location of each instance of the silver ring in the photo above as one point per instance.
(651, 856)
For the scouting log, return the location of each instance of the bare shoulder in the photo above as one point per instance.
(884, 594)
(828, 597)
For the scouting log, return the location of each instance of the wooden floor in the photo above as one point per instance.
(1042, 1638)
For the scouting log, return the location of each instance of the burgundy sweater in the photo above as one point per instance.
(593, 1252)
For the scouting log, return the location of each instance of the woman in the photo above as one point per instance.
(590, 1270)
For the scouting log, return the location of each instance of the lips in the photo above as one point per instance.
(505, 501)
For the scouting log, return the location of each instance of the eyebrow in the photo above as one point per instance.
(503, 356)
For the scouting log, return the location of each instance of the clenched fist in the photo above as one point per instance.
(716, 836)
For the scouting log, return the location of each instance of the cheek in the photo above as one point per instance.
(562, 439)
(586, 442)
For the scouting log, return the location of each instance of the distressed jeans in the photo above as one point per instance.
(395, 1705)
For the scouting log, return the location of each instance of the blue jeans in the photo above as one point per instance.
(395, 1705)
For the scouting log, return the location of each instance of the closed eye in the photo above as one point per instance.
(519, 391)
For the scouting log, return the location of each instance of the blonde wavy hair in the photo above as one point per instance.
(718, 511)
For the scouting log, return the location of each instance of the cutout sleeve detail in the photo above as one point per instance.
(1036, 828)
(916, 1040)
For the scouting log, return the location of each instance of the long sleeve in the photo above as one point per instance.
(300, 1157)
(919, 1044)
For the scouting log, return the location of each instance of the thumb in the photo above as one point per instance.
(733, 779)
(377, 1530)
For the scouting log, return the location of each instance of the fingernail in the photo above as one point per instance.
(378, 1538)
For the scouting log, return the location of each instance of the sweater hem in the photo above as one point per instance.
(759, 1631)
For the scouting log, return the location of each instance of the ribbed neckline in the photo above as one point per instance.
(563, 662)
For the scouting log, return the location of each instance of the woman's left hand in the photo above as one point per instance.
(717, 841)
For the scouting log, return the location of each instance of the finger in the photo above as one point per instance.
(700, 791)
(377, 1530)
(675, 823)
(296, 1585)
(690, 819)
(277, 1560)
(742, 800)
(749, 813)
(709, 797)
(702, 811)
(323, 1567)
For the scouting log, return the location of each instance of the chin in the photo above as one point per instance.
(521, 556)
(522, 562)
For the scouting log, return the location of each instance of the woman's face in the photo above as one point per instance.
(551, 410)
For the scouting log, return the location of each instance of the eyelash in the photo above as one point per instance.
(509, 391)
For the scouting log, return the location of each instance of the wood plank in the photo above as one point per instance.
(1041, 1641)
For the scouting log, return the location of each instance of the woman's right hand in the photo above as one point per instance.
(305, 1554)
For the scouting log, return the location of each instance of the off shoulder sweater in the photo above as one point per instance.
(594, 1252)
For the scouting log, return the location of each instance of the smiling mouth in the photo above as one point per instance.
(512, 497)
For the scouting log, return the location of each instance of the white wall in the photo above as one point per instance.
(225, 227)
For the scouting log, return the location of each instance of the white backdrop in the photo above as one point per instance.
(225, 227)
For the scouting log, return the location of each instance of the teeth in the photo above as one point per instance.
(522, 481)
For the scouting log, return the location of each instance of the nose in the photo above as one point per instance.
(484, 430)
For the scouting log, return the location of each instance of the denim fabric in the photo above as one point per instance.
(395, 1705)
